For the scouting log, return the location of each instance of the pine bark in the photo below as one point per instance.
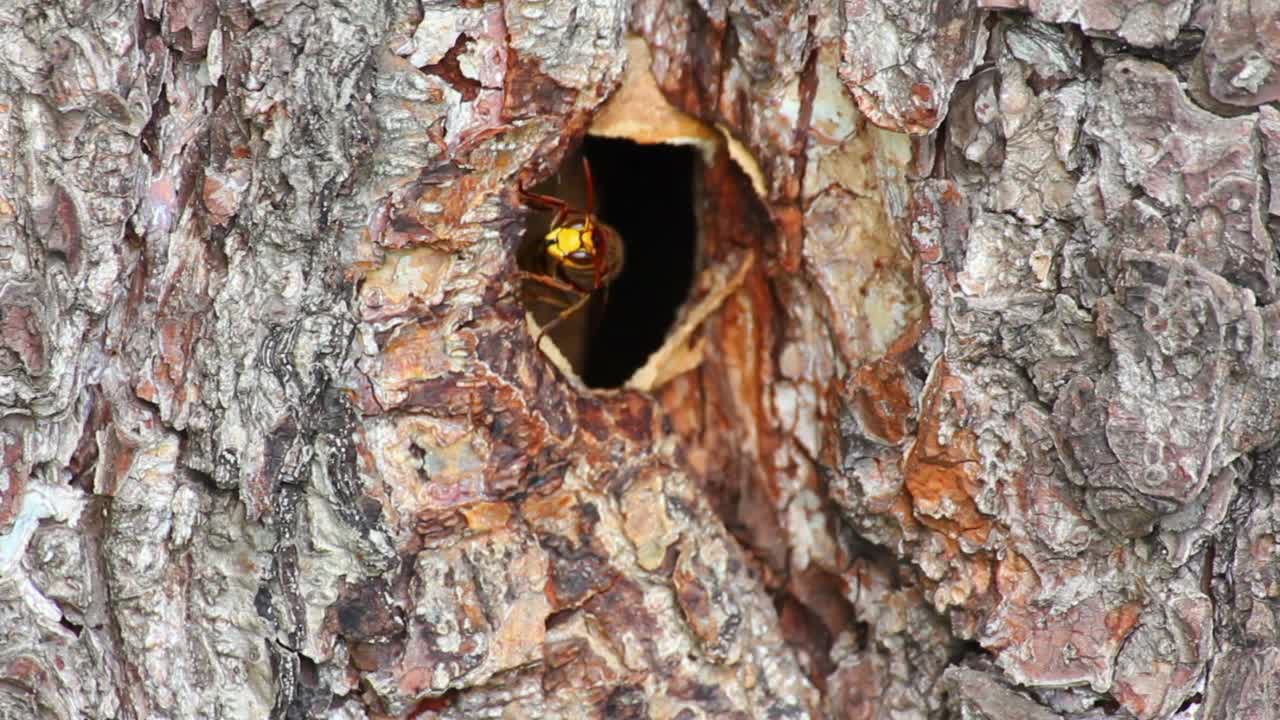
(972, 415)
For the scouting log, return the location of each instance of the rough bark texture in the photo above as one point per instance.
(986, 431)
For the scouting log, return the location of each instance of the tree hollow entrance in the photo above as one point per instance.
(646, 193)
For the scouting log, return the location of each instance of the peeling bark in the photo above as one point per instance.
(973, 415)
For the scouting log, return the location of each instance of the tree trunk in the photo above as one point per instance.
(969, 410)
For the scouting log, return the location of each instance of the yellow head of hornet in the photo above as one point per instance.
(574, 245)
(580, 255)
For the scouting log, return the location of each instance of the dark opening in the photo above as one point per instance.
(645, 192)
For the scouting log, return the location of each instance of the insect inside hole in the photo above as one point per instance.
(579, 257)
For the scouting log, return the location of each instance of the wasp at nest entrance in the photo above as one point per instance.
(578, 257)
(610, 259)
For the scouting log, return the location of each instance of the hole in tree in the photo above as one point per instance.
(644, 192)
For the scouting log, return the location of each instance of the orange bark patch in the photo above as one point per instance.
(548, 507)
(881, 399)
(487, 516)
(1120, 621)
(941, 470)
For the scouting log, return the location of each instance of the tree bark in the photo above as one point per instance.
(970, 414)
